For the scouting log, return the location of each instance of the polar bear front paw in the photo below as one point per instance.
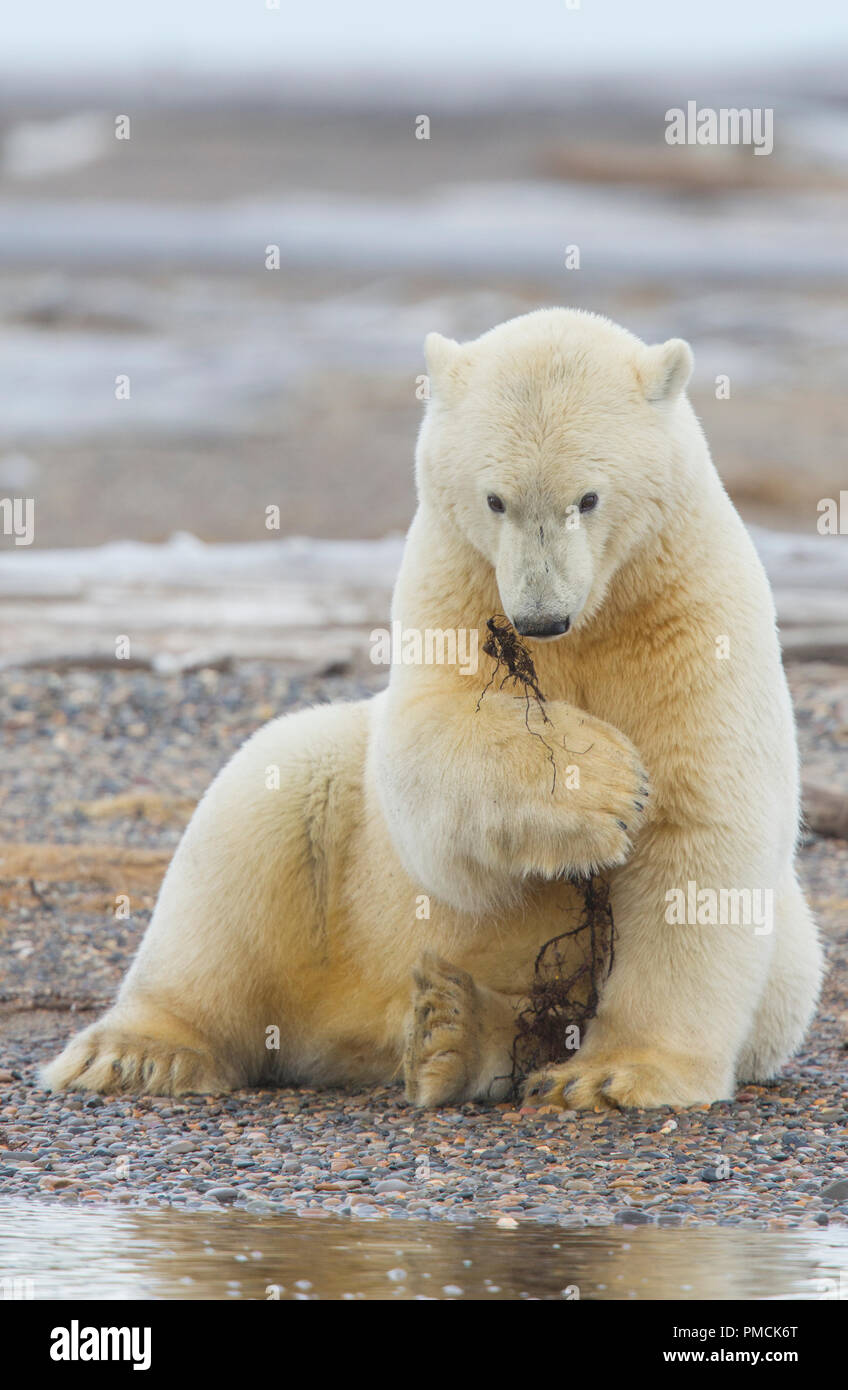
(583, 821)
(442, 1054)
(622, 1082)
(612, 802)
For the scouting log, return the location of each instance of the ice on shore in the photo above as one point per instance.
(482, 228)
(186, 562)
(806, 561)
(299, 600)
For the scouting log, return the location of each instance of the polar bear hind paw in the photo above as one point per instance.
(442, 1053)
(118, 1062)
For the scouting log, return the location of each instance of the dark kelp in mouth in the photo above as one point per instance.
(563, 996)
(507, 650)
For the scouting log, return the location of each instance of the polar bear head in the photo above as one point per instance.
(555, 444)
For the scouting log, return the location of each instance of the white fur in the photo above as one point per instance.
(297, 908)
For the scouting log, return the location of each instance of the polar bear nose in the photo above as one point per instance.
(549, 628)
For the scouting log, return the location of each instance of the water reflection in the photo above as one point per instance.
(59, 1252)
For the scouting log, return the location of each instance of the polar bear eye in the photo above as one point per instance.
(588, 501)
(495, 502)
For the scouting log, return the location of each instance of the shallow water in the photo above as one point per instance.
(50, 1252)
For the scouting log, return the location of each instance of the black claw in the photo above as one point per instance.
(638, 805)
(622, 824)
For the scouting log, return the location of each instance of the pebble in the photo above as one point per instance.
(836, 1191)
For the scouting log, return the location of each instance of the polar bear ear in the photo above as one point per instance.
(445, 364)
(665, 370)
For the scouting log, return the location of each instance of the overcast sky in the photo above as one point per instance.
(540, 35)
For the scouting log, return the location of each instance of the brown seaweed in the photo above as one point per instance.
(561, 998)
(507, 650)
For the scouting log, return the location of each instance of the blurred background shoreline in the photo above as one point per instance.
(260, 137)
(297, 386)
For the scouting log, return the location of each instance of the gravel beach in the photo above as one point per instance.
(102, 771)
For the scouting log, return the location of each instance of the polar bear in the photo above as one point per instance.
(563, 482)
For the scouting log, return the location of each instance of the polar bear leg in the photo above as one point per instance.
(791, 993)
(140, 1050)
(663, 1070)
(240, 931)
(459, 1037)
(677, 1007)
